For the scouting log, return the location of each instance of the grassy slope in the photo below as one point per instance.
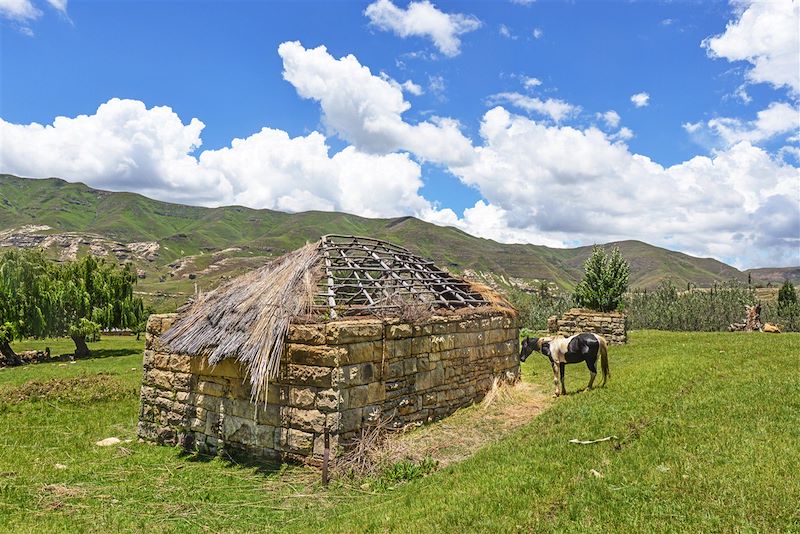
(708, 425)
(187, 230)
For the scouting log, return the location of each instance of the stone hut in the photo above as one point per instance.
(331, 338)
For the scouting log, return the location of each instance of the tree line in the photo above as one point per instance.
(41, 298)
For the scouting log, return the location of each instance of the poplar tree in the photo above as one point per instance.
(605, 280)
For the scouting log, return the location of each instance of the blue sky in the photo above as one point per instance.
(513, 121)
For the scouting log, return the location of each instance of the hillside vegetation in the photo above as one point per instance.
(175, 247)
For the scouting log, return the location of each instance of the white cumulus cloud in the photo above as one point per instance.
(423, 19)
(19, 10)
(777, 119)
(640, 100)
(580, 185)
(126, 146)
(766, 35)
(365, 109)
(610, 117)
(553, 108)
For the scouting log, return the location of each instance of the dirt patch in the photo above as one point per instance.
(504, 409)
(52, 497)
(84, 388)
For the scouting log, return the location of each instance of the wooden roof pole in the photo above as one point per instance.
(329, 273)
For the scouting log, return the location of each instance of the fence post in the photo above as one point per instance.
(326, 454)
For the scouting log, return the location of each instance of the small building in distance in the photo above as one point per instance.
(335, 336)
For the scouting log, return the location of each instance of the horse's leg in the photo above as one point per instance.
(556, 374)
(591, 363)
(561, 373)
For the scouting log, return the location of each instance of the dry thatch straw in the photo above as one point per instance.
(249, 317)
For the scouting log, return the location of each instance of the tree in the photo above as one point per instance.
(41, 299)
(96, 295)
(605, 281)
(27, 299)
(787, 295)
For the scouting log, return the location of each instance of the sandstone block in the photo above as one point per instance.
(409, 366)
(429, 379)
(376, 392)
(443, 342)
(213, 388)
(167, 320)
(153, 325)
(240, 408)
(306, 420)
(227, 368)
(357, 396)
(400, 331)
(239, 430)
(268, 415)
(395, 370)
(302, 397)
(368, 351)
(358, 374)
(148, 358)
(319, 445)
(157, 378)
(173, 362)
(341, 332)
(421, 345)
(265, 436)
(308, 334)
(423, 330)
(328, 399)
(292, 440)
(350, 420)
(399, 348)
(320, 355)
(310, 375)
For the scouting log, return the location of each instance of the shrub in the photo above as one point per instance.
(786, 294)
(535, 308)
(605, 281)
(712, 309)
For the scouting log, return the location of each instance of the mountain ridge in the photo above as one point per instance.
(224, 241)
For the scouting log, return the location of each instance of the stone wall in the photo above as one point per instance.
(342, 375)
(610, 325)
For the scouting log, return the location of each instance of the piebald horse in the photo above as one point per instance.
(560, 351)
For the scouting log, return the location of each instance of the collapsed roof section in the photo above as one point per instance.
(365, 276)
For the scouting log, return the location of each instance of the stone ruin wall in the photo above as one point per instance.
(610, 325)
(343, 375)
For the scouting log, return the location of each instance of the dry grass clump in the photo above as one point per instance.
(504, 409)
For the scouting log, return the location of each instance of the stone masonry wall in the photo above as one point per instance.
(610, 325)
(342, 374)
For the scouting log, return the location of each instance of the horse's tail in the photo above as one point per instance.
(603, 358)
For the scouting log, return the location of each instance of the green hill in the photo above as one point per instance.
(176, 246)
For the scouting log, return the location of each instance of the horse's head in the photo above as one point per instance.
(530, 344)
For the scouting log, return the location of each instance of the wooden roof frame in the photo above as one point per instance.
(364, 276)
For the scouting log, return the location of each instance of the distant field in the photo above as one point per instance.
(707, 426)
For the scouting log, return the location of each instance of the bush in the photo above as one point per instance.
(711, 309)
(535, 308)
(605, 281)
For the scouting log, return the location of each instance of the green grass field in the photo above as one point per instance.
(708, 427)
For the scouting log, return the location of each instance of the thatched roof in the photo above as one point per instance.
(248, 317)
